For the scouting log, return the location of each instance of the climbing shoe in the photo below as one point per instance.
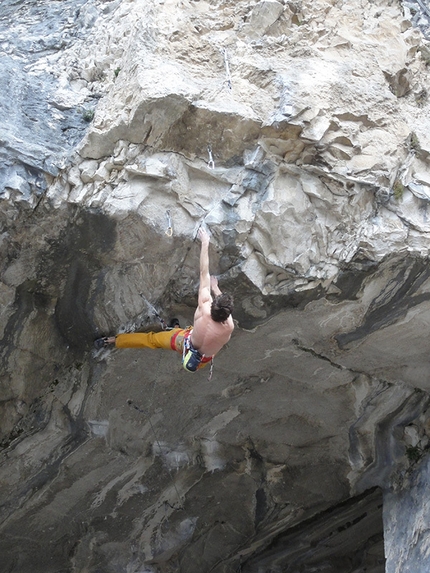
(101, 343)
(174, 323)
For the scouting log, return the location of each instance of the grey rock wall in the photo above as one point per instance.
(42, 113)
(297, 133)
(406, 521)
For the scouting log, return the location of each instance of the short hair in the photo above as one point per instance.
(222, 307)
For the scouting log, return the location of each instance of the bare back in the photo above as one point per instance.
(208, 336)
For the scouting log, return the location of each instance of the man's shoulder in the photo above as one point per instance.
(205, 295)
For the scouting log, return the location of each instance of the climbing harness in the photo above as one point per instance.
(133, 405)
(192, 358)
(211, 162)
(227, 70)
(169, 230)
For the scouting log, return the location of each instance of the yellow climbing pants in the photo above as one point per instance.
(161, 339)
(167, 339)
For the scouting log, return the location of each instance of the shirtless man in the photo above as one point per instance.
(213, 323)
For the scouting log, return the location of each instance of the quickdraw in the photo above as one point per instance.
(169, 230)
(211, 162)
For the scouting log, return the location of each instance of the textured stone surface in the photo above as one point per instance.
(406, 517)
(39, 104)
(298, 134)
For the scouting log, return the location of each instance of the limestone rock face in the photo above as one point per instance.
(297, 133)
(405, 528)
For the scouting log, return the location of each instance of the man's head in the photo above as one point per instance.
(222, 307)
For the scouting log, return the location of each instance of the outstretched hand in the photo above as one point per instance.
(214, 286)
(203, 235)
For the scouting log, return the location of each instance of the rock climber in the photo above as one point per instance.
(213, 323)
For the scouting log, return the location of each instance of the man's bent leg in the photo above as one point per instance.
(145, 339)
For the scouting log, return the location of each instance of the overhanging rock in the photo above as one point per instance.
(297, 134)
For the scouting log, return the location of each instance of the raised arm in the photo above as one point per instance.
(214, 286)
(205, 279)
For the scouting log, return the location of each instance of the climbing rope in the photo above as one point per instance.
(154, 311)
(162, 321)
(211, 371)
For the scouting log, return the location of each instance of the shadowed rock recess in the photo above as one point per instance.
(298, 133)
